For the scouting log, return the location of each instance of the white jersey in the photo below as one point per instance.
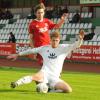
(53, 58)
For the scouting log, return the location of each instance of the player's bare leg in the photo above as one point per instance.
(38, 77)
(62, 87)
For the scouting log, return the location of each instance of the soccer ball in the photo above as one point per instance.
(42, 88)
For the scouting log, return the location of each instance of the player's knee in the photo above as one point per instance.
(36, 78)
(68, 90)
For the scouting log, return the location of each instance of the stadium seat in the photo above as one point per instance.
(69, 25)
(21, 31)
(99, 43)
(64, 37)
(61, 31)
(16, 16)
(85, 25)
(90, 14)
(81, 25)
(77, 31)
(20, 27)
(65, 25)
(95, 43)
(70, 15)
(98, 39)
(85, 15)
(77, 25)
(94, 38)
(85, 42)
(73, 25)
(73, 31)
(82, 15)
(90, 43)
(90, 25)
(64, 31)
(25, 31)
(69, 31)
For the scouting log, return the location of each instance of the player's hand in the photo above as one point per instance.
(64, 16)
(12, 56)
(81, 34)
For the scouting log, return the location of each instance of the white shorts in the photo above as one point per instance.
(50, 80)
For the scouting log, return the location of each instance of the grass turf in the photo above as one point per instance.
(86, 86)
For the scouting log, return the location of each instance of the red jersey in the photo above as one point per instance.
(40, 31)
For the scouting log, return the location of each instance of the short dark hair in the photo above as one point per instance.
(39, 6)
(55, 34)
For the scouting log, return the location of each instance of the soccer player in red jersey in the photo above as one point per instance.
(39, 28)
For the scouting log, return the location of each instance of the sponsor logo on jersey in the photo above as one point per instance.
(46, 24)
(43, 29)
(52, 56)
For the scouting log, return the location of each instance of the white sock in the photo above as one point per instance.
(56, 91)
(24, 80)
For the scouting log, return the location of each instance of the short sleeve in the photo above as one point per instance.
(30, 28)
(51, 24)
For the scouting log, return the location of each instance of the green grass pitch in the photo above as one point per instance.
(86, 86)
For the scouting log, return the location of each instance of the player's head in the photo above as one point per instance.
(55, 39)
(39, 11)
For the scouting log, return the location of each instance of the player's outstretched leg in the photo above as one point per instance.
(38, 77)
(21, 81)
(13, 85)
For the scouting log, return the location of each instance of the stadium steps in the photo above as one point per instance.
(20, 28)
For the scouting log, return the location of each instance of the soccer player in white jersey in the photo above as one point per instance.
(53, 59)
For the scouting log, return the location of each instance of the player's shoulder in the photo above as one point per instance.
(46, 19)
(63, 45)
(46, 46)
(33, 21)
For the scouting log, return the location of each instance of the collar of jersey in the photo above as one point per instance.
(39, 20)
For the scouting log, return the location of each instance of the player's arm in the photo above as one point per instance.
(62, 20)
(32, 45)
(31, 40)
(81, 37)
(78, 43)
(31, 31)
(24, 53)
(70, 47)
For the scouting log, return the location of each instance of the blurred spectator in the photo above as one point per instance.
(32, 13)
(2, 14)
(75, 18)
(11, 38)
(8, 14)
(5, 14)
(90, 35)
(54, 12)
(49, 14)
(65, 10)
(57, 12)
